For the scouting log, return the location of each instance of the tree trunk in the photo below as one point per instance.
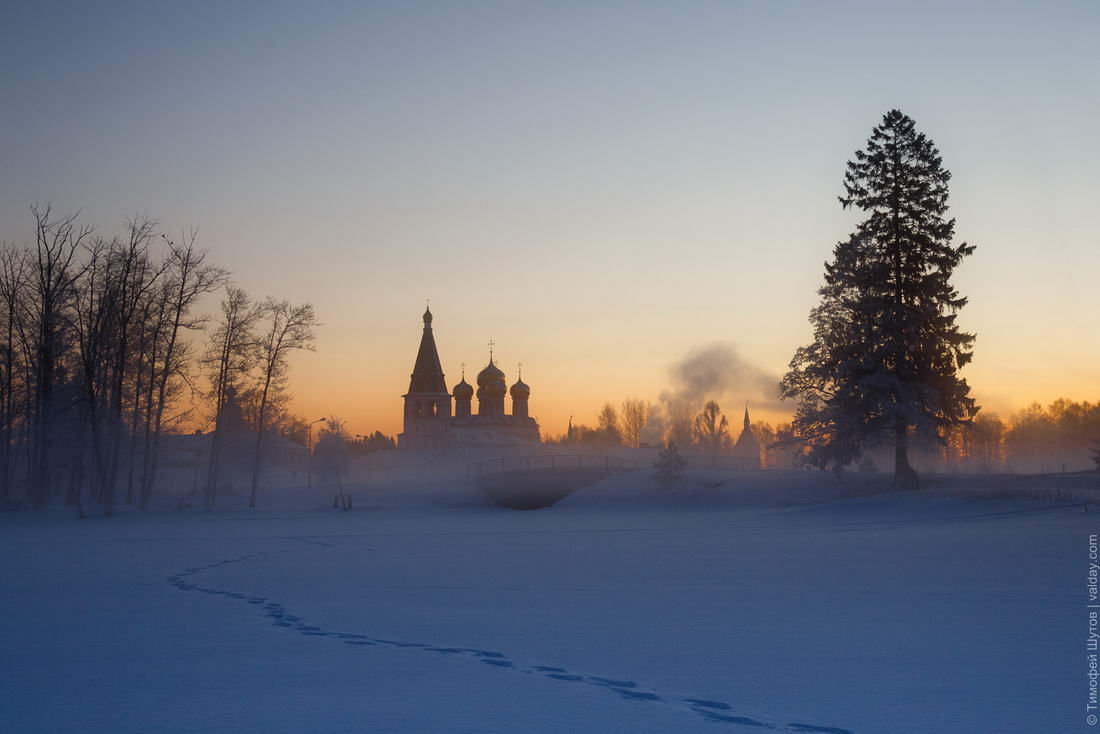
(148, 464)
(905, 477)
(8, 408)
(256, 465)
(41, 448)
(155, 400)
(80, 480)
(116, 425)
(259, 437)
(215, 440)
(131, 454)
(214, 469)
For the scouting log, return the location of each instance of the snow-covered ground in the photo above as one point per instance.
(770, 602)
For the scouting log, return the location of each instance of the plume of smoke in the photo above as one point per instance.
(712, 372)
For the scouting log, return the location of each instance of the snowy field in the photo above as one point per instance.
(769, 602)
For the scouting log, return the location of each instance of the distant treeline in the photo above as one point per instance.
(638, 423)
(1063, 436)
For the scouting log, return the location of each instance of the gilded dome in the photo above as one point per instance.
(521, 390)
(463, 390)
(491, 380)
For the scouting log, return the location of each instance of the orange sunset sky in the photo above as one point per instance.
(599, 191)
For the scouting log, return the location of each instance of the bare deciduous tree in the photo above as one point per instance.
(711, 428)
(287, 328)
(189, 278)
(611, 433)
(679, 423)
(13, 283)
(229, 358)
(635, 413)
(52, 275)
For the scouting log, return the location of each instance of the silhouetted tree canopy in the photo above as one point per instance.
(711, 428)
(611, 433)
(884, 361)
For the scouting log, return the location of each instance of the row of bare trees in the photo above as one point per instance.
(248, 353)
(100, 356)
(630, 425)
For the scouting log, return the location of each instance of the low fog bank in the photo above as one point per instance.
(706, 490)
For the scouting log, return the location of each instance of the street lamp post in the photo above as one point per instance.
(309, 452)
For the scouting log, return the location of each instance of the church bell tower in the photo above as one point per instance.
(427, 403)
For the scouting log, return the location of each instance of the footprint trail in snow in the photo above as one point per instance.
(717, 712)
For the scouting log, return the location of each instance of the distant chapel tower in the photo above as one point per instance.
(747, 446)
(427, 403)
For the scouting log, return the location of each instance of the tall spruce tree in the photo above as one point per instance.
(883, 365)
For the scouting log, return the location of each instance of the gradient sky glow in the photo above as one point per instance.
(598, 187)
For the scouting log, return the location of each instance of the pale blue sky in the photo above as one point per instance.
(599, 187)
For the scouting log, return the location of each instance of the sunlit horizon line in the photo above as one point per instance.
(556, 423)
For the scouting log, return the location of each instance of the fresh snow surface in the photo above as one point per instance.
(769, 602)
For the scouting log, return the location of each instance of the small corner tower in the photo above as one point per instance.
(463, 393)
(427, 403)
(520, 394)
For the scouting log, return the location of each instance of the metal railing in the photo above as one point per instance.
(605, 463)
(721, 461)
(549, 461)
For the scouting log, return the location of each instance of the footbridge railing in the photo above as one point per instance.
(598, 462)
(554, 461)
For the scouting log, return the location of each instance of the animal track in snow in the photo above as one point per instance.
(713, 711)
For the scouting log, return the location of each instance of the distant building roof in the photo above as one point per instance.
(747, 444)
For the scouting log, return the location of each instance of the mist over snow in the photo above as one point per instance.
(785, 602)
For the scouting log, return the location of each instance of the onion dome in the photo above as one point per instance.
(428, 316)
(463, 390)
(491, 380)
(520, 390)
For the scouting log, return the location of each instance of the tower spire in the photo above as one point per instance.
(427, 374)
